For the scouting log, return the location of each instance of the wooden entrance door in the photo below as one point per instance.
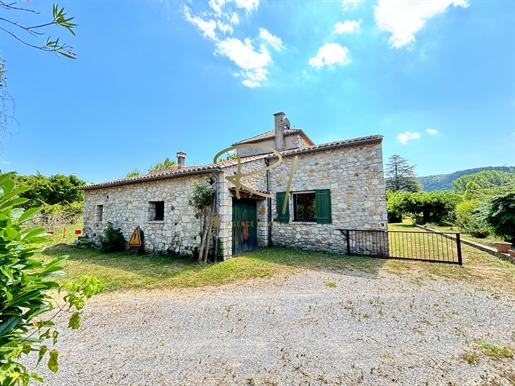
(244, 225)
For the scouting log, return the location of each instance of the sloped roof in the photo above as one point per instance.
(214, 167)
(172, 173)
(271, 134)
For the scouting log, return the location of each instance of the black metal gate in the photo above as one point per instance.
(425, 246)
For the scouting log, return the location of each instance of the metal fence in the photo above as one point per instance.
(426, 246)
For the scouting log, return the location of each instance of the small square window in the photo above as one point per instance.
(304, 206)
(156, 211)
(99, 212)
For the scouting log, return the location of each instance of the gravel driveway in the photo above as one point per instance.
(311, 328)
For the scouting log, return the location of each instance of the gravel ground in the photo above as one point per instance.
(311, 328)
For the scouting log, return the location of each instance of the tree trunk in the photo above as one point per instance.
(209, 214)
(209, 227)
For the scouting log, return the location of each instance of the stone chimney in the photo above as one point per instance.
(181, 157)
(279, 131)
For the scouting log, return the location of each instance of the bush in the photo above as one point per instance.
(432, 207)
(25, 283)
(469, 220)
(112, 240)
(500, 214)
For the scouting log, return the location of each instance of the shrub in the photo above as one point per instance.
(25, 283)
(112, 240)
(500, 214)
(469, 220)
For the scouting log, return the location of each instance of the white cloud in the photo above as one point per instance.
(404, 18)
(347, 3)
(224, 27)
(251, 62)
(235, 19)
(8, 163)
(330, 54)
(407, 136)
(248, 5)
(274, 41)
(217, 5)
(243, 54)
(207, 27)
(221, 18)
(432, 131)
(346, 27)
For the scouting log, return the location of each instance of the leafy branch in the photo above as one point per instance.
(51, 45)
(25, 283)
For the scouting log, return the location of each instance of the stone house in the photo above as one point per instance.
(283, 190)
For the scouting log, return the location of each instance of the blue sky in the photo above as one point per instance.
(436, 78)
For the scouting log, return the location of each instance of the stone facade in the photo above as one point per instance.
(351, 172)
(354, 176)
(129, 206)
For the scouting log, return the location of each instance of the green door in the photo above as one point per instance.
(244, 225)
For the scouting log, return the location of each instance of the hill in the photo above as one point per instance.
(444, 181)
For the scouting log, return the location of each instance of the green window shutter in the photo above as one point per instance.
(279, 202)
(323, 200)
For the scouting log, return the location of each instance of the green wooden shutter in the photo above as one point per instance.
(279, 202)
(323, 200)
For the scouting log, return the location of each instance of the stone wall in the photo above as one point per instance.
(355, 178)
(353, 174)
(292, 141)
(255, 181)
(129, 206)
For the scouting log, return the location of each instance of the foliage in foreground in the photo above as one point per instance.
(24, 291)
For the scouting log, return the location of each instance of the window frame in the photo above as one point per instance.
(99, 213)
(156, 208)
(305, 195)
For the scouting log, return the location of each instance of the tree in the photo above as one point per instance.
(165, 165)
(432, 207)
(229, 156)
(22, 31)
(25, 285)
(400, 175)
(485, 180)
(15, 28)
(133, 173)
(500, 214)
(57, 191)
(203, 201)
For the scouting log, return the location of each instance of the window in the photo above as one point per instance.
(312, 206)
(156, 211)
(99, 212)
(304, 206)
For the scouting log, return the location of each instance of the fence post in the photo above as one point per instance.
(458, 245)
(348, 241)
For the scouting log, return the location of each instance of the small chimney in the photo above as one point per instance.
(181, 157)
(279, 131)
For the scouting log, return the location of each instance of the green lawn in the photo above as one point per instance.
(407, 225)
(121, 271)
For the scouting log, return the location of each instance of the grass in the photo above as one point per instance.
(120, 271)
(494, 351)
(488, 241)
